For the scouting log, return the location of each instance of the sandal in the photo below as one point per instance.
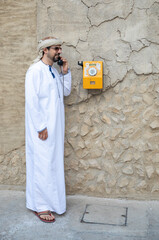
(44, 213)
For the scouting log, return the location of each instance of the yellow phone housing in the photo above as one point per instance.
(93, 75)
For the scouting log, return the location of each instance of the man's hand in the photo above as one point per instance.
(43, 135)
(64, 66)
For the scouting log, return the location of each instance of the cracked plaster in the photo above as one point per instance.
(146, 61)
(57, 22)
(107, 11)
(102, 30)
(144, 4)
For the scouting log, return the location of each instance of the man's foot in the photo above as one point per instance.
(45, 216)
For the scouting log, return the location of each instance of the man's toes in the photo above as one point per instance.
(52, 217)
(47, 217)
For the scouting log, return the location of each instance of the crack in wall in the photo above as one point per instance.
(108, 20)
(140, 49)
(87, 18)
(111, 19)
(11, 151)
(75, 47)
(91, 5)
(143, 8)
(98, 3)
(84, 3)
(156, 43)
(102, 91)
(145, 74)
(155, 67)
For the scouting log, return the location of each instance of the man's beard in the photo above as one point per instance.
(55, 58)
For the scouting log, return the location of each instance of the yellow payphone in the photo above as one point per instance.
(92, 74)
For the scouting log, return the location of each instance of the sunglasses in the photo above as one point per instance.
(56, 48)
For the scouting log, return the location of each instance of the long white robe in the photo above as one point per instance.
(44, 107)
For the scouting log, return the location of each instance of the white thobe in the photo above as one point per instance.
(44, 108)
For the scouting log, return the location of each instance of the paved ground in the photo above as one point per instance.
(87, 218)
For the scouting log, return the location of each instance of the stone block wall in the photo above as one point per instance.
(112, 136)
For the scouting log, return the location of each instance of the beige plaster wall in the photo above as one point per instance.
(17, 49)
(112, 136)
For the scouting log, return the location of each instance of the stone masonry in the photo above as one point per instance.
(112, 136)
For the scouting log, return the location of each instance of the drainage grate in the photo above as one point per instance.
(105, 215)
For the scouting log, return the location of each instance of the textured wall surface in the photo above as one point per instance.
(112, 136)
(17, 48)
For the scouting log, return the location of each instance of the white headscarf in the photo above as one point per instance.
(46, 43)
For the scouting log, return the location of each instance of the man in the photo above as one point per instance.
(44, 89)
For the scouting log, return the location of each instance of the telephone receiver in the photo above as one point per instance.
(60, 62)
